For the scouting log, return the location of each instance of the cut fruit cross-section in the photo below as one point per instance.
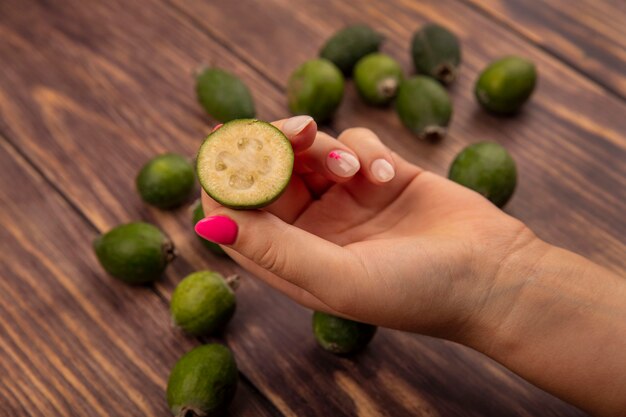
(245, 164)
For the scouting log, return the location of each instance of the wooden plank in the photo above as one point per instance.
(72, 342)
(588, 35)
(89, 116)
(568, 142)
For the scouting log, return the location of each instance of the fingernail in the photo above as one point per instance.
(217, 229)
(342, 163)
(382, 170)
(296, 124)
(217, 127)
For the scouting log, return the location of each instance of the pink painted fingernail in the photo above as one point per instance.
(342, 163)
(296, 124)
(217, 229)
(217, 127)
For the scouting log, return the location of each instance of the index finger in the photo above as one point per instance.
(300, 130)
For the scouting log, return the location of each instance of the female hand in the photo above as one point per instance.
(364, 234)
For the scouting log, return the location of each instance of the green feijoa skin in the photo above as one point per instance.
(424, 107)
(197, 215)
(506, 84)
(245, 164)
(203, 303)
(341, 336)
(136, 253)
(203, 382)
(315, 88)
(166, 181)
(436, 52)
(377, 77)
(224, 96)
(488, 169)
(349, 45)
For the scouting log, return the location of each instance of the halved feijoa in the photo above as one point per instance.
(341, 336)
(166, 181)
(135, 253)
(377, 77)
(245, 164)
(506, 84)
(424, 107)
(197, 214)
(436, 52)
(224, 96)
(486, 168)
(315, 88)
(203, 382)
(203, 303)
(349, 45)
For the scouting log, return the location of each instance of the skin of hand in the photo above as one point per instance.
(407, 249)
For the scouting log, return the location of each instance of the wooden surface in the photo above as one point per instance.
(90, 90)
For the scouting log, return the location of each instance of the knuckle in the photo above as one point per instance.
(355, 132)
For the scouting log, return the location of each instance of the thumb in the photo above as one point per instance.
(291, 253)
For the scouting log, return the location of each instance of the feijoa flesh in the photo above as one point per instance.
(203, 382)
(424, 107)
(166, 181)
(197, 215)
(350, 44)
(135, 253)
(377, 77)
(506, 84)
(245, 164)
(224, 96)
(341, 336)
(315, 88)
(436, 52)
(488, 169)
(203, 303)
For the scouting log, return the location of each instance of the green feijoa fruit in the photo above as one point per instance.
(424, 107)
(436, 52)
(203, 303)
(349, 45)
(341, 336)
(506, 84)
(166, 181)
(197, 215)
(224, 96)
(245, 164)
(377, 77)
(486, 168)
(135, 253)
(315, 88)
(203, 382)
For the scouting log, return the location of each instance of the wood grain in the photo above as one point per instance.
(111, 88)
(569, 153)
(588, 34)
(72, 341)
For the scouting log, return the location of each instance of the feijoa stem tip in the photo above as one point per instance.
(233, 281)
(191, 412)
(446, 73)
(433, 133)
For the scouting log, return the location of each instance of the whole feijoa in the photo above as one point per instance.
(315, 88)
(166, 181)
(424, 107)
(197, 214)
(341, 336)
(135, 253)
(436, 52)
(488, 169)
(224, 96)
(506, 84)
(350, 44)
(202, 303)
(377, 77)
(203, 382)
